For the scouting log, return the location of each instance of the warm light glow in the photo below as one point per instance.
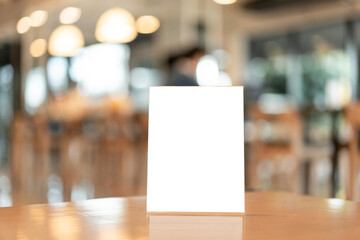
(23, 25)
(66, 225)
(225, 2)
(147, 24)
(65, 41)
(70, 15)
(38, 18)
(116, 25)
(38, 47)
(336, 204)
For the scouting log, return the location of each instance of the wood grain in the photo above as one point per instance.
(269, 215)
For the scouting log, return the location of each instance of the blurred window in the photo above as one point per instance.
(6, 115)
(310, 67)
(57, 72)
(6, 82)
(101, 69)
(324, 65)
(313, 61)
(141, 79)
(267, 66)
(35, 89)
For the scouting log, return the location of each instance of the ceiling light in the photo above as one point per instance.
(23, 25)
(116, 25)
(38, 18)
(147, 24)
(225, 2)
(65, 40)
(70, 15)
(38, 47)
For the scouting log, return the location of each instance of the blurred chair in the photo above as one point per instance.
(41, 143)
(20, 136)
(317, 151)
(275, 151)
(72, 165)
(316, 161)
(98, 153)
(141, 145)
(114, 170)
(29, 165)
(353, 116)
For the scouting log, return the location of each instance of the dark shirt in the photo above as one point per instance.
(183, 80)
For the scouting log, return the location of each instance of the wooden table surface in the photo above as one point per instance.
(269, 215)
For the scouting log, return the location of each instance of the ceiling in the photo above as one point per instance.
(263, 5)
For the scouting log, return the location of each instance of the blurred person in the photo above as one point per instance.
(183, 68)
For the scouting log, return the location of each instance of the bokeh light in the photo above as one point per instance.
(222, 58)
(23, 25)
(35, 89)
(38, 18)
(207, 71)
(70, 15)
(38, 47)
(57, 69)
(147, 24)
(65, 40)
(116, 25)
(101, 69)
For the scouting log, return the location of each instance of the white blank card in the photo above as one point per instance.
(196, 150)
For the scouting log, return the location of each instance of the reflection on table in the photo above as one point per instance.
(269, 215)
(196, 227)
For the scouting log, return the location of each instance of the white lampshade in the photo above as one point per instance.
(23, 25)
(225, 2)
(70, 15)
(65, 41)
(147, 24)
(38, 18)
(116, 25)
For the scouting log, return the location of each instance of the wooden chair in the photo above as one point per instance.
(114, 170)
(19, 142)
(353, 116)
(275, 151)
(141, 146)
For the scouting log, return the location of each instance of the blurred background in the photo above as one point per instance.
(75, 77)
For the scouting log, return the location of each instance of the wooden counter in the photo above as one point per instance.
(269, 215)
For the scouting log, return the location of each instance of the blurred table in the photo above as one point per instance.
(269, 215)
